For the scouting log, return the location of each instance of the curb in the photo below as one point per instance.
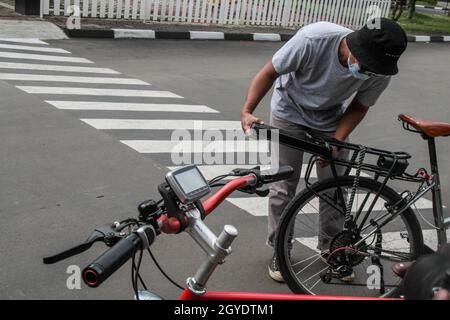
(204, 35)
(431, 7)
(186, 35)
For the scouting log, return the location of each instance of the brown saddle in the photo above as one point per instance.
(430, 128)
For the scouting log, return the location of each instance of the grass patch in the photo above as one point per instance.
(427, 3)
(426, 23)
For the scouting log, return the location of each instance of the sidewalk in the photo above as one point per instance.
(110, 28)
(14, 25)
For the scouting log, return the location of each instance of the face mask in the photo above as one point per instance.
(354, 70)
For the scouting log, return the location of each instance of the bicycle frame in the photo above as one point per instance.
(321, 146)
(217, 248)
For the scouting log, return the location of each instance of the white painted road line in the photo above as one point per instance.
(50, 78)
(98, 92)
(258, 206)
(266, 37)
(24, 40)
(206, 35)
(195, 146)
(124, 106)
(29, 56)
(162, 124)
(391, 240)
(133, 34)
(430, 238)
(30, 48)
(47, 67)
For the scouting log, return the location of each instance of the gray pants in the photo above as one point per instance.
(330, 221)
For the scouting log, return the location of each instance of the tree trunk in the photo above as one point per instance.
(412, 9)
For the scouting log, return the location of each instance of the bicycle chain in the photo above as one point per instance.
(362, 155)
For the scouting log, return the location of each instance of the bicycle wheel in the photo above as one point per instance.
(307, 257)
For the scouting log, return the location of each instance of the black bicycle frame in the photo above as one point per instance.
(320, 146)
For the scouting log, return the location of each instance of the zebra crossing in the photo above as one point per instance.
(61, 79)
(135, 112)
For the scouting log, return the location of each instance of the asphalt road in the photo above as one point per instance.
(62, 177)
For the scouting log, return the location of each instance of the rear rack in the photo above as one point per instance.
(380, 162)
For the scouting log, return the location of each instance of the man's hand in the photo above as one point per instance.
(322, 163)
(247, 119)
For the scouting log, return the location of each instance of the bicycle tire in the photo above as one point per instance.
(291, 210)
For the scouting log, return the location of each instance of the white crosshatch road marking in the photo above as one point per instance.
(53, 78)
(24, 40)
(258, 206)
(31, 48)
(43, 57)
(47, 67)
(99, 92)
(124, 106)
(162, 124)
(391, 240)
(43, 62)
(192, 146)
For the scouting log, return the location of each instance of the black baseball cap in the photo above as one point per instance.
(378, 45)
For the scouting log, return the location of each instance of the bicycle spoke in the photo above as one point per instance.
(315, 229)
(326, 268)
(308, 266)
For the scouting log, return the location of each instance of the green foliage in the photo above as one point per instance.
(426, 23)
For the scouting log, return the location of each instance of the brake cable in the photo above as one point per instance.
(213, 182)
(162, 271)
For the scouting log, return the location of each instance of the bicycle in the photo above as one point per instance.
(378, 226)
(180, 209)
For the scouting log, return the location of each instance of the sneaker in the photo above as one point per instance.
(348, 278)
(274, 271)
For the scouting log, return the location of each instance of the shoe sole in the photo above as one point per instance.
(349, 278)
(275, 276)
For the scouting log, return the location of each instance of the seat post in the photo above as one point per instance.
(436, 192)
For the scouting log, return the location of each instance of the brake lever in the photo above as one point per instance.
(240, 172)
(262, 192)
(106, 233)
(254, 190)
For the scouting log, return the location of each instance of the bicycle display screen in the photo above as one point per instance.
(188, 183)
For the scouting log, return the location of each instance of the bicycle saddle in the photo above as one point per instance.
(430, 128)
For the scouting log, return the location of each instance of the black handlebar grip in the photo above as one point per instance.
(105, 265)
(276, 174)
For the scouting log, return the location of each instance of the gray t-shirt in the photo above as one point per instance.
(313, 85)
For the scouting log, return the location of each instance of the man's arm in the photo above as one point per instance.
(349, 121)
(355, 112)
(259, 86)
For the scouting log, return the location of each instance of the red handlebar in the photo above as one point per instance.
(172, 225)
(212, 202)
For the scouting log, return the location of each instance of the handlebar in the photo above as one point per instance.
(152, 221)
(110, 261)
